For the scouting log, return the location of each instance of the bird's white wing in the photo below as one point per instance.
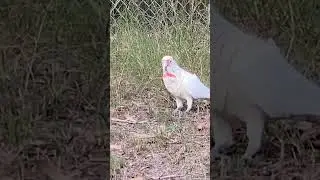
(194, 86)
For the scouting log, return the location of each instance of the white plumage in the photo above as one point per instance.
(182, 84)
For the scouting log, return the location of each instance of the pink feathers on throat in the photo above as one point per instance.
(167, 74)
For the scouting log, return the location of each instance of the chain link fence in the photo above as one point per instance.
(160, 13)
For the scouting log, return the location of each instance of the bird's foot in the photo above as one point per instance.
(221, 151)
(217, 156)
(187, 111)
(177, 112)
(247, 160)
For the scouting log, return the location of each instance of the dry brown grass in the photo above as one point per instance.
(53, 94)
(288, 152)
(146, 141)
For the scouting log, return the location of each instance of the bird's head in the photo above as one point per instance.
(168, 64)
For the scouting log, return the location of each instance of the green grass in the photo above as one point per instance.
(157, 144)
(136, 52)
(53, 84)
(293, 24)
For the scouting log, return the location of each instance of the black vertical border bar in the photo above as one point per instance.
(212, 49)
(107, 118)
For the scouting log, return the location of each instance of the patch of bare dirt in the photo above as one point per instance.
(150, 143)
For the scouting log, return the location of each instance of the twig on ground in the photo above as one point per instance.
(130, 121)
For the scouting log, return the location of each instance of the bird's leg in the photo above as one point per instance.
(255, 126)
(222, 133)
(189, 103)
(179, 103)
